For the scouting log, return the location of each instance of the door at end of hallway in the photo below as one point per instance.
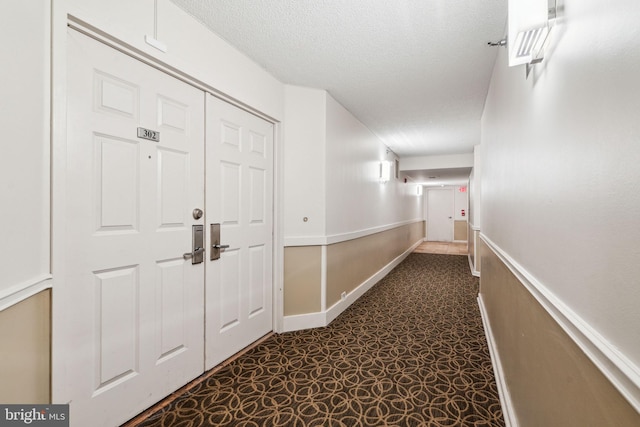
(440, 208)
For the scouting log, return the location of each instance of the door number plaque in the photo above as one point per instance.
(149, 134)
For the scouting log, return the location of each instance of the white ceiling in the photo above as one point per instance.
(415, 72)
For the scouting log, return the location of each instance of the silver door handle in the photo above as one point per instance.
(195, 252)
(215, 242)
(197, 244)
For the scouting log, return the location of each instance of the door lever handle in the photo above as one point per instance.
(215, 242)
(195, 252)
(197, 244)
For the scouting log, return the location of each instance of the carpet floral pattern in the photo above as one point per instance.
(410, 352)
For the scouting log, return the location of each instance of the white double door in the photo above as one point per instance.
(133, 318)
(239, 199)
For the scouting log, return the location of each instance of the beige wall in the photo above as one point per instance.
(550, 380)
(302, 279)
(25, 351)
(460, 230)
(351, 263)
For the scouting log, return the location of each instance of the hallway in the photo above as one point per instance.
(411, 351)
(445, 248)
(371, 104)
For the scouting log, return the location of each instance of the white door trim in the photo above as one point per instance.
(61, 20)
(97, 34)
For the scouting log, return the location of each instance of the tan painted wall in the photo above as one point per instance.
(351, 263)
(302, 275)
(551, 381)
(25, 351)
(460, 230)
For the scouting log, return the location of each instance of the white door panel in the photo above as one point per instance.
(257, 270)
(240, 199)
(440, 215)
(129, 311)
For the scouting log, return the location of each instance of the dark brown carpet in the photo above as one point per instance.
(410, 352)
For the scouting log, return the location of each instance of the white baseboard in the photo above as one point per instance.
(474, 272)
(508, 411)
(298, 322)
(323, 318)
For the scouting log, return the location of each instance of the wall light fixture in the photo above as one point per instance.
(529, 46)
(530, 25)
(385, 171)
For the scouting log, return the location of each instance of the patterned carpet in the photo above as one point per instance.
(410, 352)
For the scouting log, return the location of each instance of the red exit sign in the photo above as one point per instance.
(463, 189)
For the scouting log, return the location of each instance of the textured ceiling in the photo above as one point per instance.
(415, 72)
